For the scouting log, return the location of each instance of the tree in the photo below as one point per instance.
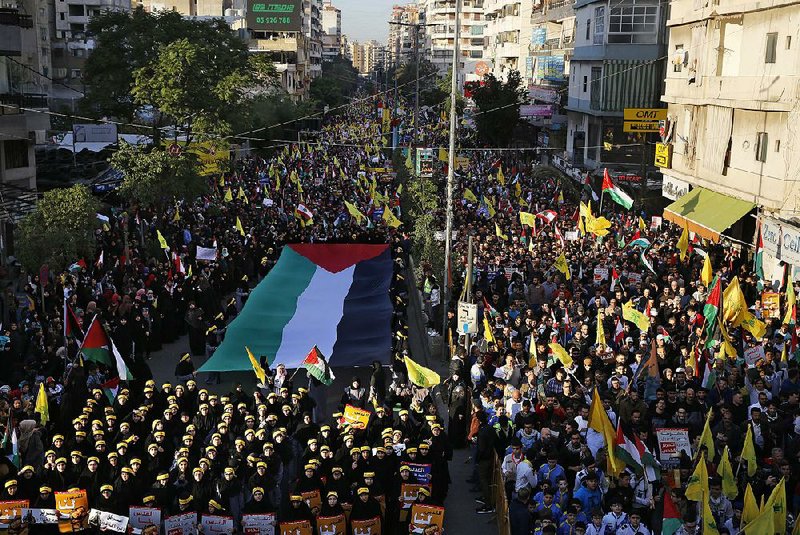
(339, 79)
(498, 108)
(430, 92)
(187, 73)
(445, 87)
(153, 177)
(60, 231)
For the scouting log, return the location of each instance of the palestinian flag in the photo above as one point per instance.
(588, 189)
(709, 374)
(98, 347)
(671, 520)
(619, 333)
(335, 296)
(317, 367)
(617, 194)
(758, 261)
(614, 278)
(711, 309)
(72, 327)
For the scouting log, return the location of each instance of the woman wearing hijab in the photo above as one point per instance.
(258, 503)
(31, 447)
(331, 505)
(365, 506)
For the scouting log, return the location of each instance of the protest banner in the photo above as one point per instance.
(771, 305)
(73, 508)
(259, 524)
(420, 473)
(142, 517)
(312, 498)
(206, 253)
(185, 524)
(366, 527)
(108, 521)
(655, 222)
(427, 519)
(600, 274)
(355, 417)
(331, 525)
(301, 527)
(408, 495)
(40, 516)
(671, 442)
(634, 278)
(215, 524)
(11, 510)
(753, 354)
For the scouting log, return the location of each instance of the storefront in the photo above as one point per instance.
(712, 215)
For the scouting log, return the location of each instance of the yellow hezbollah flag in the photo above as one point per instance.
(490, 207)
(527, 218)
(228, 195)
(755, 326)
(161, 240)
(733, 303)
(561, 354)
(260, 373)
(709, 524)
(708, 273)
(239, 226)
(499, 233)
(598, 420)
(726, 347)
(642, 225)
(765, 521)
(488, 335)
(706, 439)
(241, 194)
(600, 339)
(561, 265)
(634, 316)
(790, 303)
(778, 499)
(697, 487)
(750, 509)
(177, 216)
(390, 218)
(469, 196)
(500, 176)
(351, 208)
(598, 226)
(683, 243)
(749, 452)
(42, 406)
(420, 375)
(729, 487)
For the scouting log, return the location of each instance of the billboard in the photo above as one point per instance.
(94, 133)
(275, 16)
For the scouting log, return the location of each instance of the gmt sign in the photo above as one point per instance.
(284, 16)
(643, 119)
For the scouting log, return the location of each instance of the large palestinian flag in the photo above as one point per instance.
(334, 296)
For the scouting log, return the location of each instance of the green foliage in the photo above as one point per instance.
(444, 86)
(498, 108)
(60, 230)
(421, 199)
(156, 178)
(272, 117)
(191, 72)
(339, 80)
(431, 92)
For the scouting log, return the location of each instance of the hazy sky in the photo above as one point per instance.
(363, 20)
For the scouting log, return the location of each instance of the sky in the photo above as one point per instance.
(363, 20)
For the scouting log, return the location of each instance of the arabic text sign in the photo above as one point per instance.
(142, 517)
(421, 473)
(367, 527)
(312, 498)
(753, 354)
(11, 509)
(108, 521)
(332, 524)
(259, 524)
(74, 508)
(428, 519)
(671, 442)
(185, 524)
(358, 418)
(214, 524)
(301, 527)
(409, 492)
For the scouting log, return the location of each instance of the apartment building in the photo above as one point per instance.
(331, 31)
(507, 34)
(617, 63)
(403, 34)
(367, 57)
(439, 18)
(731, 134)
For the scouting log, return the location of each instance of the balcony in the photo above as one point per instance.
(15, 103)
(11, 24)
(767, 93)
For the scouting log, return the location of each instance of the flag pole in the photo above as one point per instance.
(602, 195)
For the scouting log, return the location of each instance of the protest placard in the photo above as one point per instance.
(216, 524)
(206, 253)
(600, 274)
(753, 354)
(312, 498)
(73, 508)
(142, 517)
(332, 525)
(185, 524)
(108, 521)
(671, 442)
(427, 519)
(301, 527)
(367, 527)
(11, 510)
(40, 516)
(771, 305)
(420, 473)
(259, 524)
(355, 417)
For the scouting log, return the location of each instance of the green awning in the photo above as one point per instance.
(707, 213)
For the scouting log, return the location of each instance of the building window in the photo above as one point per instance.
(635, 22)
(585, 83)
(599, 25)
(76, 73)
(788, 42)
(777, 145)
(594, 96)
(16, 153)
(772, 48)
(75, 10)
(762, 142)
(588, 29)
(678, 58)
(61, 16)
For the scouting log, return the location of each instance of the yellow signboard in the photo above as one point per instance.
(663, 155)
(645, 114)
(640, 126)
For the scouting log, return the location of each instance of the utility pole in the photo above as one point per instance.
(450, 165)
(468, 283)
(416, 89)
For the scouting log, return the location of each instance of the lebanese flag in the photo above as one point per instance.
(548, 215)
(619, 333)
(614, 278)
(303, 213)
(559, 236)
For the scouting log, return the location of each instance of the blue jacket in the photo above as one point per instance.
(590, 499)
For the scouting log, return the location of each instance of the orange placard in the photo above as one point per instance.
(75, 506)
(301, 527)
(313, 499)
(426, 519)
(366, 527)
(771, 305)
(355, 417)
(11, 510)
(331, 524)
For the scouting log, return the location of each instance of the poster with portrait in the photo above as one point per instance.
(143, 517)
(106, 521)
(426, 519)
(73, 507)
(771, 305)
(313, 499)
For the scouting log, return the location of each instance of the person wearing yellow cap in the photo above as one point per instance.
(45, 499)
(186, 503)
(106, 501)
(331, 505)
(365, 506)
(299, 510)
(10, 490)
